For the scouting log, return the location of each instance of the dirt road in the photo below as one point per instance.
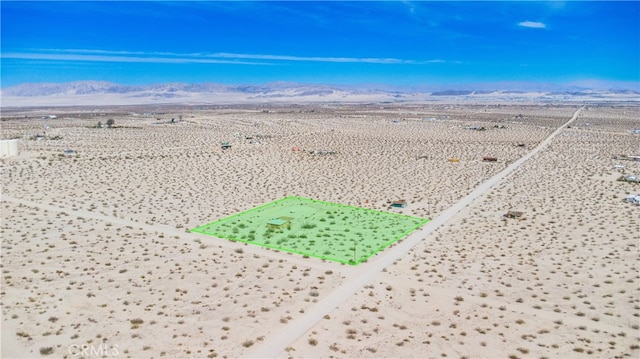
(365, 273)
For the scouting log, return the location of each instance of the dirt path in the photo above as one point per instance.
(365, 273)
(175, 233)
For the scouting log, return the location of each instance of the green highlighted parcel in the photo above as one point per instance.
(330, 231)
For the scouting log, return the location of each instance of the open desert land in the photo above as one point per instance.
(96, 249)
(560, 282)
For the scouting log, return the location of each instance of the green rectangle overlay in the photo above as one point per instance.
(330, 231)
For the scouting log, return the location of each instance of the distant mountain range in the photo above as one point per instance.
(101, 92)
(103, 87)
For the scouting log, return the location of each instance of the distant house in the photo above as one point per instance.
(633, 199)
(489, 159)
(631, 178)
(399, 203)
(514, 214)
(225, 145)
(625, 157)
(279, 223)
(322, 152)
(8, 148)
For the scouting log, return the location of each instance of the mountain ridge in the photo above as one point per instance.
(106, 87)
(110, 93)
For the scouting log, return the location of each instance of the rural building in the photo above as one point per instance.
(514, 214)
(631, 178)
(399, 204)
(627, 158)
(8, 148)
(225, 145)
(279, 223)
(633, 199)
(322, 152)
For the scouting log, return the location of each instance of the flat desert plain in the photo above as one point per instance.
(98, 260)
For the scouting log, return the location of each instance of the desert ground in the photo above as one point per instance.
(97, 260)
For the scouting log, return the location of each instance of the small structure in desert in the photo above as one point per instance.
(627, 157)
(225, 145)
(283, 222)
(321, 152)
(489, 159)
(454, 160)
(514, 214)
(9, 148)
(633, 199)
(401, 203)
(630, 178)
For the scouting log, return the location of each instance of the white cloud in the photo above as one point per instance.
(114, 58)
(533, 24)
(373, 60)
(207, 58)
(124, 57)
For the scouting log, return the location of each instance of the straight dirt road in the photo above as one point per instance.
(275, 346)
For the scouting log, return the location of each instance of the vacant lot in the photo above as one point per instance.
(335, 232)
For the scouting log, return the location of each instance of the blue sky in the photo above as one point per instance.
(395, 42)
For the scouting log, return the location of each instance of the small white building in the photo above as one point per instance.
(631, 178)
(8, 148)
(633, 199)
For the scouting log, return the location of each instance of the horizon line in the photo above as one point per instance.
(498, 85)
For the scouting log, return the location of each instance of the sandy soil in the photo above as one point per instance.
(95, 252)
